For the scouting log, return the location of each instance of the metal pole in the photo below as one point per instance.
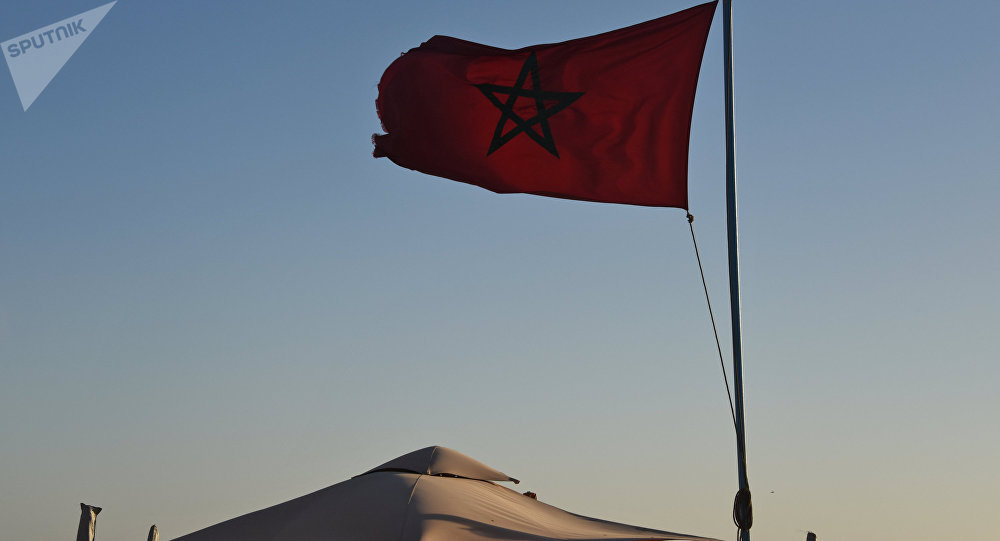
(742, 510)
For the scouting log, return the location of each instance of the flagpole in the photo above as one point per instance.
(742, 508)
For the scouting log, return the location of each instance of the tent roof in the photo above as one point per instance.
(387, 504)
(437, 460)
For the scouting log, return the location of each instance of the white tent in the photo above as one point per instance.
(434, 494)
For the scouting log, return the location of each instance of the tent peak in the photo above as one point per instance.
(442, 461)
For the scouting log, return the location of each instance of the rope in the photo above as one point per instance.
(742, 504)
(718, 345)
(743, 510)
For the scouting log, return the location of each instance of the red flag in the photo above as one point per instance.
(604, 118)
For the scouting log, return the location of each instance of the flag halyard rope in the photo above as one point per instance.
(742, 508)
(711, 315)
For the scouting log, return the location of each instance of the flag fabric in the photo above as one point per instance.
(604, 118)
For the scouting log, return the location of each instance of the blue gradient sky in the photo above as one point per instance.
(212, 298)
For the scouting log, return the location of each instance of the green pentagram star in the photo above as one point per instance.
(543, 112)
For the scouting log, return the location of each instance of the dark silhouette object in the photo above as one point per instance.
(154, 534)
(88, 522)
(810, 536)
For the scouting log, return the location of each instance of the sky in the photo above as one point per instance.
(213, 299)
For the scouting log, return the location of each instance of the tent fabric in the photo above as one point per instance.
(405, 506)
(437, 460)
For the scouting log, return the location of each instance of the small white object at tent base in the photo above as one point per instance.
(434, 494)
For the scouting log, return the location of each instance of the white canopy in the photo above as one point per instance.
(434, 494)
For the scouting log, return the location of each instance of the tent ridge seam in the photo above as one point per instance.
(409, 500)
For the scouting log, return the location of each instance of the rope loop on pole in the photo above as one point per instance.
(743, 510)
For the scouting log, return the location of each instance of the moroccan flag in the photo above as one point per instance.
(605, 118)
